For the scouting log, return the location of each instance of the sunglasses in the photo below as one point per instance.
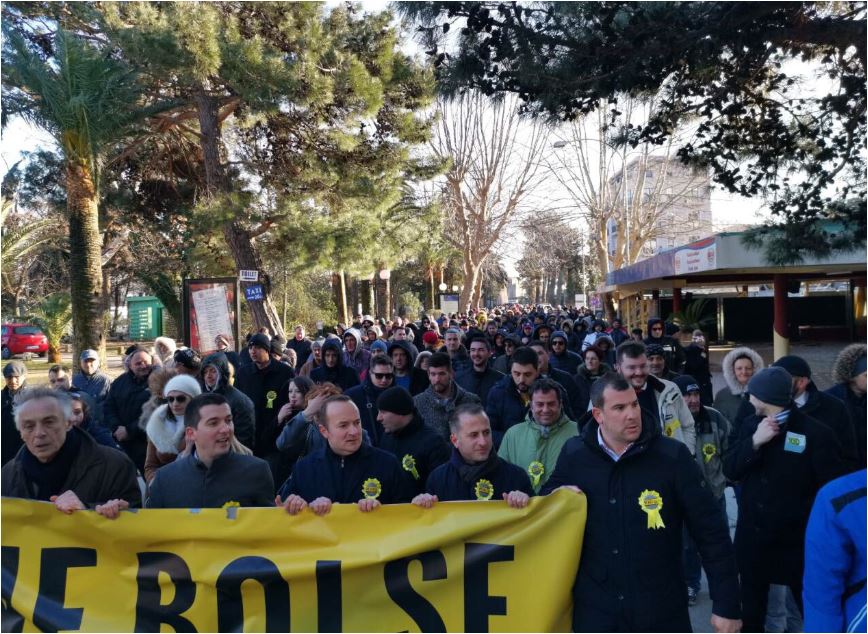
(179, 399)
(382, 375)
(559, 343)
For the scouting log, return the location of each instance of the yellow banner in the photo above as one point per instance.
(461, 566)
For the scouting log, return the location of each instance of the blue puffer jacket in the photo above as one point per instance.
(834, 582)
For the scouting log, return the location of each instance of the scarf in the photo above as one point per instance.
(470, 473)
(49, 477)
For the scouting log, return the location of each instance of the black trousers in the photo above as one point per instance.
(755, 597)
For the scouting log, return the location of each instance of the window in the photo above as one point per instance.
(27, 330)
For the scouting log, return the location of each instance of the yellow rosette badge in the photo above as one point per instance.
(652, 503)
(708, 450)
(371, 488)
(409, 464)
(230, 504)
(535, 470)
(484, 490)
(271, 395)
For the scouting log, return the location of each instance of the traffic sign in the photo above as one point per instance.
(246, 275)
(255, 292)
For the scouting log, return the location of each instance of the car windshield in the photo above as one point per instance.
(27, 330)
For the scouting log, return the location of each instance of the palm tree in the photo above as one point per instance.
(87, 100)
(52, 315)
(22, 240)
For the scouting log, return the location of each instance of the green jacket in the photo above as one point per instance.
(524, 445)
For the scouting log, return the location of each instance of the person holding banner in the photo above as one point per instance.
(475, 471)
(61, 464)
(641, 488)
(345, 470)
(212, 475)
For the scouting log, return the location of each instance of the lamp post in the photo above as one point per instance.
(385, 275)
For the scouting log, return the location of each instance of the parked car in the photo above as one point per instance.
(22, 338)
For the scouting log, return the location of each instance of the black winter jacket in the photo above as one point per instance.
(97, 474)
(425, 447)
(446, 483)
(479, 383)
(341, 375)
(778, 487)
(365, 397)
(262, 387)
(833, 414)
(631, 576)
(10, 439)
(856, 408)
(122, 408)
(341, 478)
(243, 412)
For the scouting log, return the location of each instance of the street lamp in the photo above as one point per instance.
(442, 287)
(454, 288)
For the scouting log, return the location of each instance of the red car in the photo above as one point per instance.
(21, 338)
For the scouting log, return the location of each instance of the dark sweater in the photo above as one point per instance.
(421, 443)
(447, 484)
(233, 477)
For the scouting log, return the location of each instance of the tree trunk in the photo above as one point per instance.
(477, 291)
(433, 295)
(237, 237)
(85, 261)
(339, 285)
(472, 272)
(54, 354)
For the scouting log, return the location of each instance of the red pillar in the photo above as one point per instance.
(781, 333)
(676, 300)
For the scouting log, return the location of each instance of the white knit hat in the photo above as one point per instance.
(183, 383)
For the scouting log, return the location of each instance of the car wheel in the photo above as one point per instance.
(42, 354)
(5, 352)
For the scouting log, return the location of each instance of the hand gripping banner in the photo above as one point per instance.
(461, 566)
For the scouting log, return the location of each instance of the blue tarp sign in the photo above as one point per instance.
(254, 292)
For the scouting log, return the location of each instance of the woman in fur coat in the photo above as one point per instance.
(739, 365)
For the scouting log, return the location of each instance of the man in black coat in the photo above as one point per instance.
(827, 409)
(301, 345)
(411, 378)
(475, 471)
(260, 381)
(123, 406)
(15, 376)
(571, 396)
(641, 489)
(781, 457)
(405, 435)
(672, 350)
(212, 475)
(379, 377)
(332, 368)
(509, 399)
(345, 470)
(215, 378)
(479, 378)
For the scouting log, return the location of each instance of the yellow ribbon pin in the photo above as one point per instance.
(484, 490)
(670, 427)
(271, 395)
(708, 451)
(409, 464)
(371, 488)
(230, 504)
(652, 503)
(535, 470)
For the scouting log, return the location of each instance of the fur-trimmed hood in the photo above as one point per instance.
(163, 439)
(843, 367)
(728, 363)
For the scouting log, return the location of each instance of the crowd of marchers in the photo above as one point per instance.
(501, 405)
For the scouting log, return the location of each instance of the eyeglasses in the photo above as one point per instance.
(179, 399)
(382, 375)
(559, 343)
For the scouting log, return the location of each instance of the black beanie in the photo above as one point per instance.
(396, 400)
(796, 366)
(773, 385)
(260, 341)
(686, 383)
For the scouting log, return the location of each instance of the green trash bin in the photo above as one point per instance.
(145, 315)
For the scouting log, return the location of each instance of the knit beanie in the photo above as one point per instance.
(430, 337)
(379, 346)
(276, 347)
(182, 383)
(772, 385)
(654, 350)
(260, 341)
(796, 366)
(396, 400)
(686, 383)
(558, 334)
